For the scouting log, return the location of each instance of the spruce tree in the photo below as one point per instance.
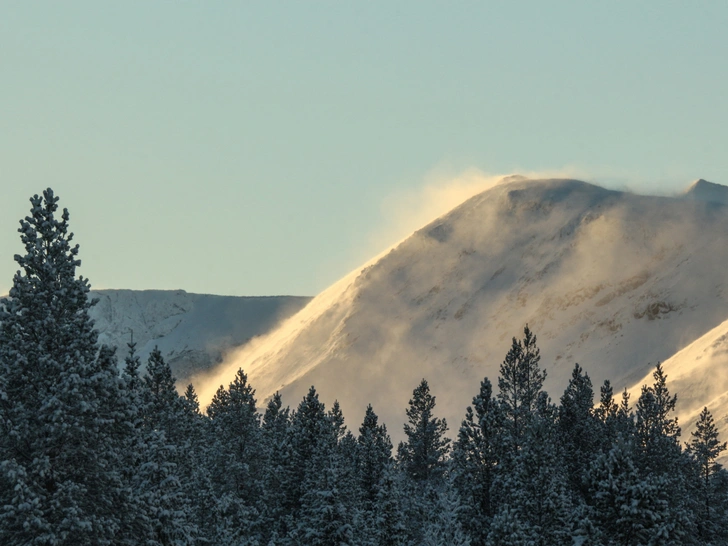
(237, 459)
(579, 428)
(423, 455)
(389, 527)
(475, 460)
(534, 484)
(520, 383)
(657, 429)
(629, 509)
(278, 472)
(167, 477)
(444, 527)
(705, 449)
(374, 463)
(374, 456)
(62, 407)
(606, 413)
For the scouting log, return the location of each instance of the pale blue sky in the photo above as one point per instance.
(246, 147)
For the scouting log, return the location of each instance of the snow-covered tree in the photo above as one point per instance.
(580, 433)
(374, 456)
(63, 415)
(705, 448)
(657, 429)
(629, 509)
(389, 526)
(475, 459)
(423, 455)
(443, 527)
(520, 383)
(278, 472)
(534, 484)
(236, 455)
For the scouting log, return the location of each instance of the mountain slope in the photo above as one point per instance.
(702, 190)
(192, 330)
(698, 374)
(612, 280)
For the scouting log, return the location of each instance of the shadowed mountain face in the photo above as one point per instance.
(611, 280)
(702, 190)
(193, 331)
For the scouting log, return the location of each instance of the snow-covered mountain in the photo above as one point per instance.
(612, 280)
(193, 331)
(699, 375)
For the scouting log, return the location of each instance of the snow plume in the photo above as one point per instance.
(403, 212)
(406, 210)
(613, 280)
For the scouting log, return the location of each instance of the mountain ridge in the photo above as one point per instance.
(193, 331)
(592, 271)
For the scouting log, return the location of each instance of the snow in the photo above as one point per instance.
(612, 280)
(193, 331)
(698, 374)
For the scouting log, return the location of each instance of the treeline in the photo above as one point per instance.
(93, 455)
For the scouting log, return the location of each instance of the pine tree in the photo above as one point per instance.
(474, 463)
(167, 477)
(324, 518)
(579, 428)
(374, 456)
(389, 527)
(443, 527)
(533, 484)
(659, 453)
(424, 453)
(278, 472)
(313, 440)
(507, 529)
(374, 463)
(628, 509)
(62, 407)
(705, 449)
(238, 457)
(657, 430)
(520, 383)
(606, 413)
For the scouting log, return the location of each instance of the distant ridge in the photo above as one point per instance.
(702, 190)
(193, 331)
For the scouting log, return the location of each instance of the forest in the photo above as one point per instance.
(94, 451)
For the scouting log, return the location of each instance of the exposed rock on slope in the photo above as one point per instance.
(613, 280)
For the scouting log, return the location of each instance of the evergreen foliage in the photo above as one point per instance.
(423, 455)
(520, 383)
(705, 448)
(62, 406)
(475, 463)
(90, 456)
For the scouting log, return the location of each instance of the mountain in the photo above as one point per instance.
(612, 280)
(698, 374)
(193, 331)
(702, 190)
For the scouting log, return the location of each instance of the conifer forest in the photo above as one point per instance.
(94, 451)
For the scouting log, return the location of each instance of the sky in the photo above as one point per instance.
(266, 148)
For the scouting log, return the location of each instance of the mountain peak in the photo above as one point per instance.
(702, 190)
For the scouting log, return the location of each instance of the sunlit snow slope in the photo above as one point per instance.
(698, 374)
(612, 280)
